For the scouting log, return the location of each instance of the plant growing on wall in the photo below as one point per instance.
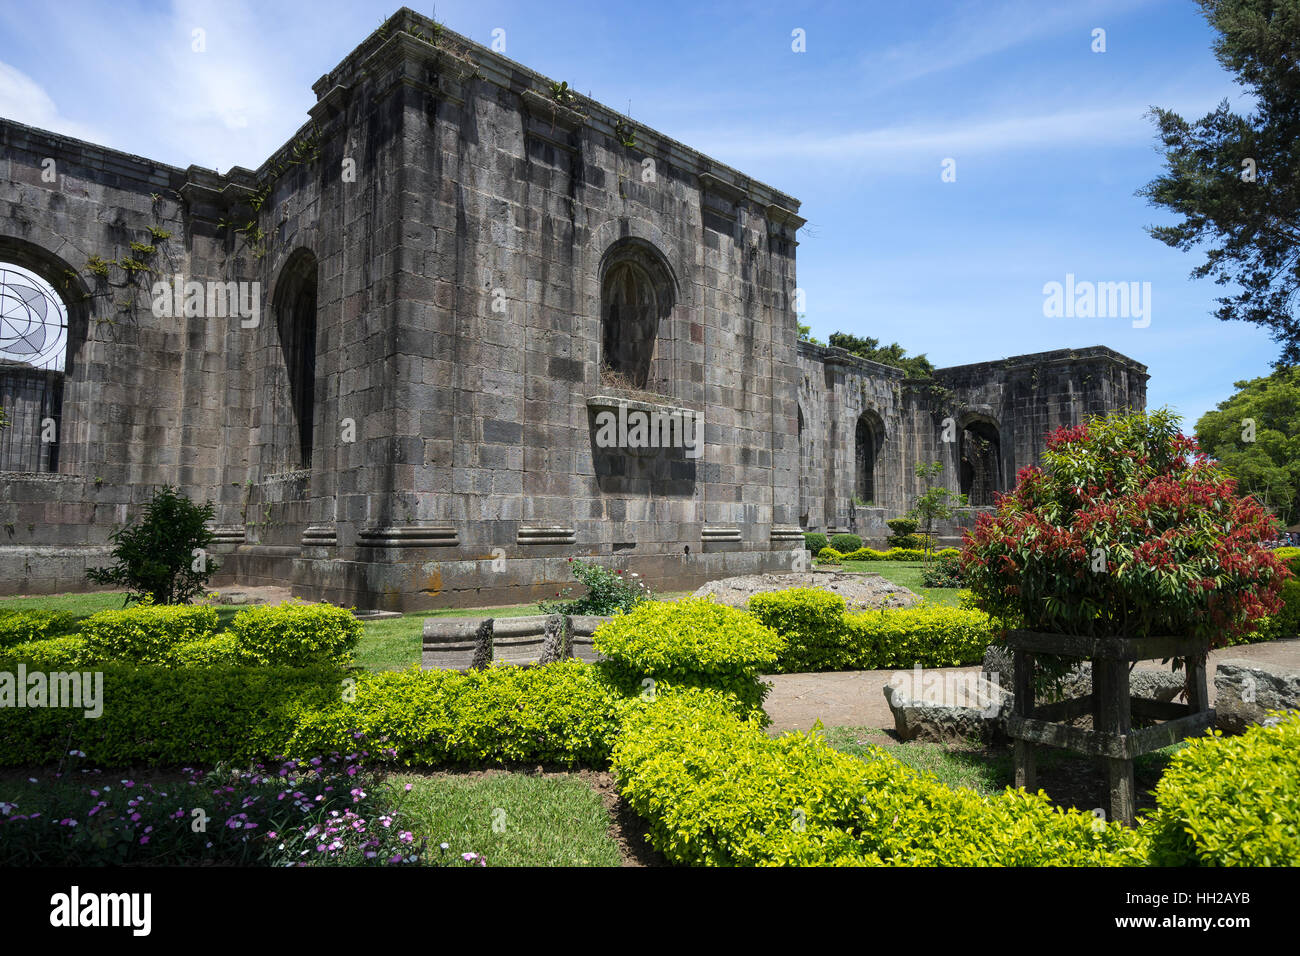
(1128, 530)
(163, 558)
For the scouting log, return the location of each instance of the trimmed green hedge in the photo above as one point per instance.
(297, 635)
(718, 791)
(21, 627)
(145, 633)
(694, 642)
(159, 715)
(564, 714)
(1231, 801)
(831, 555)
(181, 635)
(821, 636)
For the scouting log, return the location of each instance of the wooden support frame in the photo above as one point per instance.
(1111, 704)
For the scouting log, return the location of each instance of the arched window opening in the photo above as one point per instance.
(33, 365)
(637, 292)
(296, 324)
(981, 462)
(867, 451)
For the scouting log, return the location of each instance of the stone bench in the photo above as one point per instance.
(450, 643)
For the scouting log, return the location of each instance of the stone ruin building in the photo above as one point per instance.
(386, 355)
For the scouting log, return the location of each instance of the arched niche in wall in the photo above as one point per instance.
(43, 322)
(294, 306)
(637, 294)
(979, 459)
(868, 438)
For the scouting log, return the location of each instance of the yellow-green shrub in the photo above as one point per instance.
(694, 642)
(53, 653)
(220, 649)
(1231, 801)
(145, 633)
(718, 791)
(563, 713)
(21, 627)
(296, 635)
(820, 636)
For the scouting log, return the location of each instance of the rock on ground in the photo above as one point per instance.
(1245, 691)
(862, 590)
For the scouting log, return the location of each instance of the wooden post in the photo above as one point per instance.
(1198, 699)
(1110, 685)
(1023, 683)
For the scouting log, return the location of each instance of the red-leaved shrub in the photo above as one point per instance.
(1126, 530)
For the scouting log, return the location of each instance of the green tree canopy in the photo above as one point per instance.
(1235, 180)
(916, 366)
(1256, 435)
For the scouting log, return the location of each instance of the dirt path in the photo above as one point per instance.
(857, 699)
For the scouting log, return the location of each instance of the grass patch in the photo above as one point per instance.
(906, 574)
(512, 819)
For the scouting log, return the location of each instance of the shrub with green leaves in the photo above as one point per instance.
(829, 556)
(295, 635)
(165, 557)
(844, 543)
(903, 534)
(815, 541)
(821, 636)
(718, 791)
(563, 714)
(20, 627)
(50, 654)
(1231, 801)
(608, 591)
(694, 642)
(145, 633)
(217, 650)
(943, 573)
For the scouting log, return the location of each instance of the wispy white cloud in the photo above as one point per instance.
(24, 100)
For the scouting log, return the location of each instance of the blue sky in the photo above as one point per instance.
(1050, 139)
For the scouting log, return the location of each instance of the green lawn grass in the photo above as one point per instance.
(512, 819)
(908, 575)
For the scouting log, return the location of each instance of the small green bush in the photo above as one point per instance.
(145, 633)
(943, 573)
(904, 534)
(20, 627)
(718, 791)
(820, 636)
(815, 541)
(50, 654)
(844, 543)
(218, 650)
(829, 556)
(1290, 557)
(608, 591)
(896, 554)
(1231, 801)
(694, 642)
(296, 635)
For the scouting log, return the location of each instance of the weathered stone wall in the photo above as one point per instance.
(411, 417)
